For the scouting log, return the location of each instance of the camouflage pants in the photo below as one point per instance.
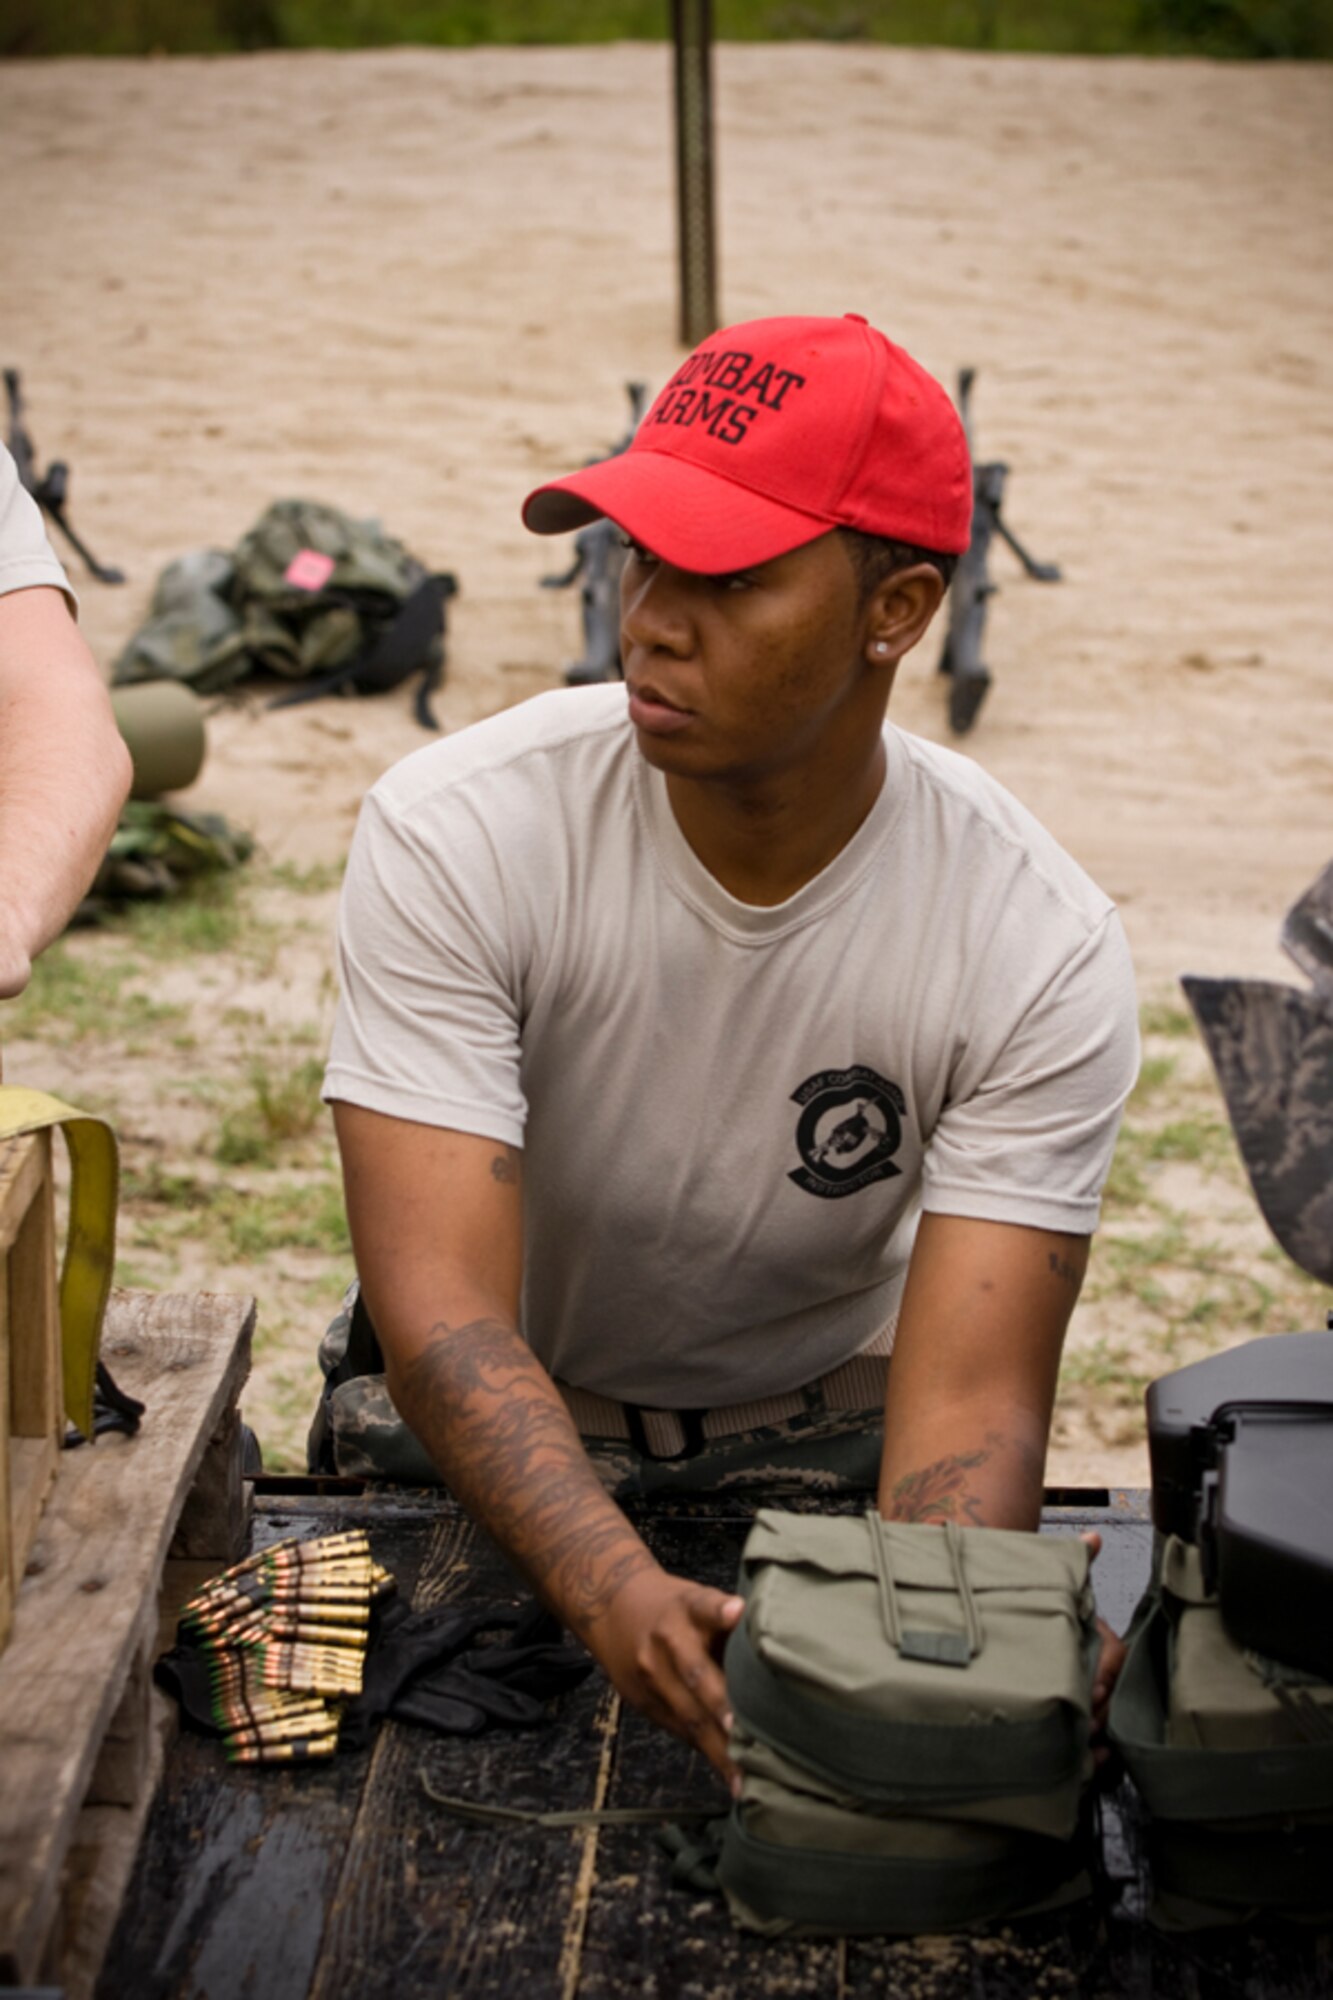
(358, 1432)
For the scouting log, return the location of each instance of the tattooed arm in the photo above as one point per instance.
(972, 1383)
(436, 1222)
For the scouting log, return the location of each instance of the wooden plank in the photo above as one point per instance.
(101, 1860)
(645, 1934)
(239, 1863)
(35, 1420)
(232, 1884)
(419, 1891)
(642, 1932)
(343, 1880)
(33, 1465)
(94, 1567)
(215, 1520)
(22, 1164)
(31, 1396)
(122, 1757)
(36, 1392)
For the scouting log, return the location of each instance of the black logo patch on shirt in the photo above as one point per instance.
(849, 1129)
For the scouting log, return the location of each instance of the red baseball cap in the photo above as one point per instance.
(771, 434)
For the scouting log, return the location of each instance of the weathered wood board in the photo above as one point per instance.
(80, 1724)
(342, 1881)
(31, 1396)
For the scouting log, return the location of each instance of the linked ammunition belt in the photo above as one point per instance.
(275, 1645)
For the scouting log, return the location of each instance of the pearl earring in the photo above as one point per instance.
(881, 646)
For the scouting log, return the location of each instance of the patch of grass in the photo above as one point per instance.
(315, 880)
(1205, 1141)
(255, 1223)
(1155, 1073)
(244, 1225)
(1126, 1254)
(290, 1390)
(134, 1277)
(209, 916)
(1125, 1186)
(281, 1106)
(1195, 1293)
(1165, 1017)
(1305, 1301)
(81, 991)
(157, 1186)
(139, 1012)
(1103, 1366)
(1246, 28)
(1172, 1280)
(1171, 1116)
(213, 915)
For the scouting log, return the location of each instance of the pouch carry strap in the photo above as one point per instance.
(865, 1894)
(90, 1247)
(898, 1763)
(508, 1817)
(1180, 1783)
(941, 1649)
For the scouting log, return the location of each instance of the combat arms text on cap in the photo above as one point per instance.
(771, 434)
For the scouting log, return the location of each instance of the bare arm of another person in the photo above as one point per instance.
(973, 1378)
(975, 1362)
(436, 1222)
(64, 775)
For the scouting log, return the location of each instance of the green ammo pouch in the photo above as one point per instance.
(912, 1714)
(1232, 1753)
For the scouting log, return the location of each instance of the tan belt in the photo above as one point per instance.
(857, 1385)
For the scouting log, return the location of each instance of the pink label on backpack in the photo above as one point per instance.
(309, 570)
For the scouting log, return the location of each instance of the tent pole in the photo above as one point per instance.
(692, 31)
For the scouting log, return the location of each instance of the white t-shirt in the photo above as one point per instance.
(731, 1117)
(26, 556)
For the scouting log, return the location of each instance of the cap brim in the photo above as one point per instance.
(692, 518)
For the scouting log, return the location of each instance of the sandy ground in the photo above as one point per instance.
(413, 283)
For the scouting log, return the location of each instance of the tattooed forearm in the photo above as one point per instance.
(938, 1492)
(997, 1484)
(490, 1415)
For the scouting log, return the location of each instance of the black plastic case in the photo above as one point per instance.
(1241, 1448)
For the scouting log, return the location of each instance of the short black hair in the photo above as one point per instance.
(874, 557)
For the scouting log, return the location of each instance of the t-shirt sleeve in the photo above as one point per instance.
(27, 560)
(1031, 1141)
(427, 1027)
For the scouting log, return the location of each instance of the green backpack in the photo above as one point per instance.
(912, 1715)
(309, 593)
(1233, 1755)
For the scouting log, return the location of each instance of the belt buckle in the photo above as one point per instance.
(692, 1426)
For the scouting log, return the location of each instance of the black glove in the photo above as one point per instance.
(422, 1667)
